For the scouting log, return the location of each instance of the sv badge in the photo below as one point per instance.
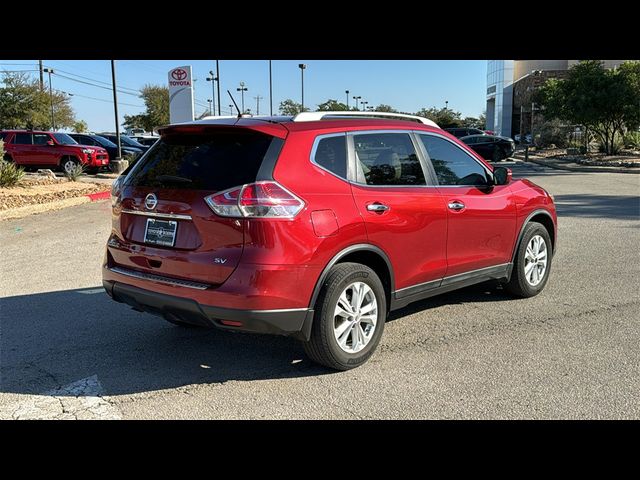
(220, 260)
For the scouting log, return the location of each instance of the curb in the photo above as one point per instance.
(94, 197)
(556, 166)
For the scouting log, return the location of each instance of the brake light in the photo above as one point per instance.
(261, 200)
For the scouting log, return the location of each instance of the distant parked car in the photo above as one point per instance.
(108, 145)
(33, 149)
(124, 140)
(460, 132)
(146, 140)
(491, 147)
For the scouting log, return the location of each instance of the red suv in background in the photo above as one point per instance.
(30, 148)
(317, 226)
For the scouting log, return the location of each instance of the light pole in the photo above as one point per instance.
(372, 108)
(210, 106)
(347, 92)
(242, 89)
(270, 91)
(50, 71)
(231, 109)
(364, 104)
(115, 108)
(218, 78)
(446, 104)
(356, 99)
(302, 68)
(213, 79)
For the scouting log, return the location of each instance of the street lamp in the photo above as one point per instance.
(50, 71)
(371, 108)
(356, 99)
(302, 68)
(347, 92)
(213, 79)
(364, 105)
(446, 104)
(231, 109)
(242, 89)
(210, 106)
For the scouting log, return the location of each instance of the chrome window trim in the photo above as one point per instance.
(314, 149)
(175, 216)
(483, 166)
(351, 152)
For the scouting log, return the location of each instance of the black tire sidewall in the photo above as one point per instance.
(531, 230)
(367, 276)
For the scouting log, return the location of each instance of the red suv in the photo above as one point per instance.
(51, 149)
(317, 226)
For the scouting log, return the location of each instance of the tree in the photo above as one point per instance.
(290, 107)
(332, 105)
(24, 105)
(156, 101)
(474, 122)
(80, 126)
(444, 117)
(385, 108)
(605, 101)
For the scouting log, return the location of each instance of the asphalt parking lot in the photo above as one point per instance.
(68, 351)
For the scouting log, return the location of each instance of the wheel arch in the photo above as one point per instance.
(366, 254)
(545, 219)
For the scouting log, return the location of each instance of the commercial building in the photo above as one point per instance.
(510, 87)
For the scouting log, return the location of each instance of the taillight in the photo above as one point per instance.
(261, 199)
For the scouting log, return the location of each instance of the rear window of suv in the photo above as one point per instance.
(213, 161)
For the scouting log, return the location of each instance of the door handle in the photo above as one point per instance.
(456, 205)
(377, 207)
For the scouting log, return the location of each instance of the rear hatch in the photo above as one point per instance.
(161, 213)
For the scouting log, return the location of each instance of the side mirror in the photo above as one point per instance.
(50, 142)
(502, 176)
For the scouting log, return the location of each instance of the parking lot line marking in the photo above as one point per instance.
(79, 400)
(91, 291)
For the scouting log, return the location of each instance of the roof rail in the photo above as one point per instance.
(314, 116)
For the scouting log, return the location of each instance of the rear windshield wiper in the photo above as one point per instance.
(173, 179)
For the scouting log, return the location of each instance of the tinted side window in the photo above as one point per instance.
(40, 138)
(22, 139)
(453, 166)
(387, 159)
(331, 153)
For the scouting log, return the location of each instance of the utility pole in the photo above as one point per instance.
(356, 99)
(53, 122)
(218, 77)
(115, 108)
(41, 76)
(270, 91)
(533, 108)
(347, 92)
(258, 98)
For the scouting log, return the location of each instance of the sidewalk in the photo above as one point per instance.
(559, 164)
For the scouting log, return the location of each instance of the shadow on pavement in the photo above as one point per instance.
(52, 339)
(621, 207)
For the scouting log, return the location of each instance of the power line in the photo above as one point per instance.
(105, 100)
(98, 81)
(97, 86)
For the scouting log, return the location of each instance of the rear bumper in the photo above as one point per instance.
(294, 322)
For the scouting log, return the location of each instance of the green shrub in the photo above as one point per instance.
(552, 132)
(75, 172)
(632, 140)
(618, 145)
(10, 174)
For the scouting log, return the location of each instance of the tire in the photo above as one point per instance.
(67, 163)
(323, 346)
(520, 284)
(498, 154)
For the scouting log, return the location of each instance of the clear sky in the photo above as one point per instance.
(405, 85)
